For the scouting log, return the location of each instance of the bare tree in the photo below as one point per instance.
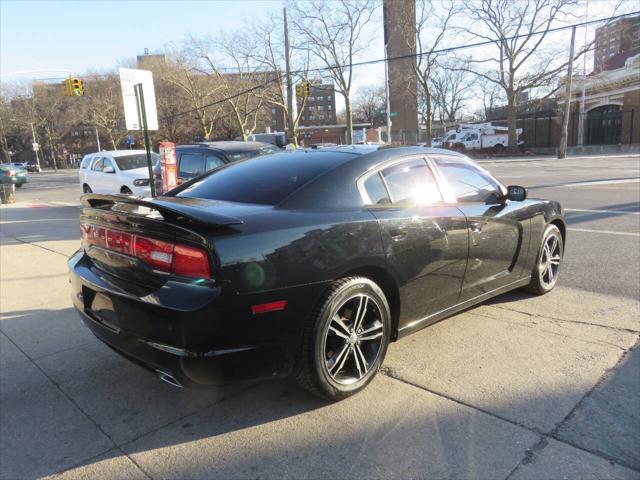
(369, 105)
(242, 86)
(433, 20)
(451, 92)
(517, 31)
(267, 51)
(334, 33)
(197, 90)
(103, 107)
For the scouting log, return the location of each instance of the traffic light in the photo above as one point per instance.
(73, 87)
(302, 89)
(77, 87)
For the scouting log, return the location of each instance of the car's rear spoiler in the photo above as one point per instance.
(171, 210)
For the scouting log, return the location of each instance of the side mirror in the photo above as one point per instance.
(516, 193)
(108, 170)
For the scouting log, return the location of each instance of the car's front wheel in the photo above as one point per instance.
(345, 339)
(547, 268)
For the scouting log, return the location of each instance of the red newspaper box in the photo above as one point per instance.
(168, 165)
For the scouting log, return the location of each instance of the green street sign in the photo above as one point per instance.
(393, 114)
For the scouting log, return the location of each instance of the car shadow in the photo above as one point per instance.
(267, 430)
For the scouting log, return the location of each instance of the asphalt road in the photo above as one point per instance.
(521, 387)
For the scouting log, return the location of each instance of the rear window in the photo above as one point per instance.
(139, 160)
(263, 180)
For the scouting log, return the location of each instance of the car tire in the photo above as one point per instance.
(86, 188)
(126, 191)
(343, 345)
(498, 148)
(19, 185)
(544, 276)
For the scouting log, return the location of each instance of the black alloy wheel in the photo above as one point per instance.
(345, 339)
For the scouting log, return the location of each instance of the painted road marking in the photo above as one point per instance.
(602, 182)
(615, 212)
(608, 232)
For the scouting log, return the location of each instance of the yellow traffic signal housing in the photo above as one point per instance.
(77, 87)
(307, 88)
(299, 90)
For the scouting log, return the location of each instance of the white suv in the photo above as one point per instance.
(116, 171)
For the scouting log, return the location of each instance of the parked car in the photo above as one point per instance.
(12, 175)
(194, 160)
(33, 167)
(306, 263)
(116, 171)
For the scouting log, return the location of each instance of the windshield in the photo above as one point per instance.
(137, 160)
(236, 156)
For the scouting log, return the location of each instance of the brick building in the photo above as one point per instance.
(320, 108)
(616, 42)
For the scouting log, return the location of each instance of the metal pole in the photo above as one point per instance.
(631, 129)
(33, 132)
(386, 93)
(535, 129)
(143, 118)
(97, 138)
(562, 151)
(290, 130)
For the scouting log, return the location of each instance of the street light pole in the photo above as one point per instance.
(97, 138)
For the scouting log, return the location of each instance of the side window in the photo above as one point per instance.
(376, 191)
(212, 161)
(412, 182)
(469, 183)
(106, 162)
(97, 165)
(191, 165)
(86, 161)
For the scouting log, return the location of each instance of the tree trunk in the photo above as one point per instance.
(512, 121)
(347, 107)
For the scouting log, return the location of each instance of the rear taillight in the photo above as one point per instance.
(177, 258)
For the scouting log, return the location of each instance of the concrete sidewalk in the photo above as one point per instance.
(520, 388)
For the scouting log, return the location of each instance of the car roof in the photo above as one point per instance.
(118, 153)
(340, 179)
(230, 146)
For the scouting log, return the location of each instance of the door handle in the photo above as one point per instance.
(476, 227)
(397, 234)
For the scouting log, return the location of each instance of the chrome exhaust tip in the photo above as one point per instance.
(167, 378)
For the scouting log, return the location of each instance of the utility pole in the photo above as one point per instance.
(386, 79)
(33, 132)
(97, 138)
(290, 131)
(562, 151)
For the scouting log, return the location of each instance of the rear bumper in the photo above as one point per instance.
(195, 334)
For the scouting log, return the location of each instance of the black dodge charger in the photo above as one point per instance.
(306, 263)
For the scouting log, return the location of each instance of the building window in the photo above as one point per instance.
(320, 98)
(273, 110)
(320, 108)
(328, 98)
(329, 107)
